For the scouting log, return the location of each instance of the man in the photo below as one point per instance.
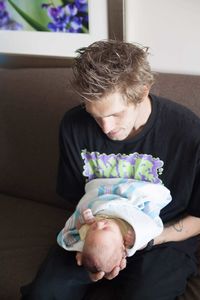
(123, 131)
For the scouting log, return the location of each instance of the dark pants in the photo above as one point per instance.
(160, 273)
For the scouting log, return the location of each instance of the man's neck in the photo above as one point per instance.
(144, 111)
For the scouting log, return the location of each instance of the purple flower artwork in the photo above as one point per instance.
(69, 16)
(6, 21)
(54, 28)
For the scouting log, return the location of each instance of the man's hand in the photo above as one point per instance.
(99, 275)
(116, 270)
(79, 258)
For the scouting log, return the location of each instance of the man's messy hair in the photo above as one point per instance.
(112, 66)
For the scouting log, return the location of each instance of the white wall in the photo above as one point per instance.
(171, 28)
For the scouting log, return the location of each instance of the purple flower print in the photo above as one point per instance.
(6, 22)
(71, 17)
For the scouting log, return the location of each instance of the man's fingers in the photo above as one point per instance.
(113, 274)
(123, 264)
(96, 276)
(79, 258)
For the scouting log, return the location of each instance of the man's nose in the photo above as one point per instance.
(106, 124)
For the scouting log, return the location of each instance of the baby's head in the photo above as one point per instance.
(104, 246)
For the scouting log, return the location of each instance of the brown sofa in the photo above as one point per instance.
(32, 102)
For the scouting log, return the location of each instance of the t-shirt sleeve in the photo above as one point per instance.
(194, 206)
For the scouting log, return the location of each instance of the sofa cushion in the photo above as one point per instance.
(29, 230)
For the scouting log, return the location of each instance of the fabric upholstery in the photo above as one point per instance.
(28, 229)
(184, 89)
(32, 104)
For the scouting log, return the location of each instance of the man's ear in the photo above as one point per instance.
(144, 93)
(146, 90)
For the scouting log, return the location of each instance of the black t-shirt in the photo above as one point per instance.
(166, 150)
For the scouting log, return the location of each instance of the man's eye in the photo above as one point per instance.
(118, 114)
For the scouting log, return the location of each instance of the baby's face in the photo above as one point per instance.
(107, 233)
(105, 229)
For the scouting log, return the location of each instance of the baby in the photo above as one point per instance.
(115, 218)
(106, 240)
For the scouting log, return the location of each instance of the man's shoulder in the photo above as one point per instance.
(75, 112)
(176, 111)
(173, 106)
(178, 119)
(76, 116)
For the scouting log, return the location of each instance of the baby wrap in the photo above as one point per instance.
(137, 202)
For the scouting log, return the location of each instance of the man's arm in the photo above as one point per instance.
(179, 230)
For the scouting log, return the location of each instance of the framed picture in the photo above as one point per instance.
(55, 28)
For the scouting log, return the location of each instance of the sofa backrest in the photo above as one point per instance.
(184, 89)
(32, 103)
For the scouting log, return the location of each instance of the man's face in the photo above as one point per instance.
(116, 118)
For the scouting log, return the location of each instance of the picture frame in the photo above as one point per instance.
(57, 44)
